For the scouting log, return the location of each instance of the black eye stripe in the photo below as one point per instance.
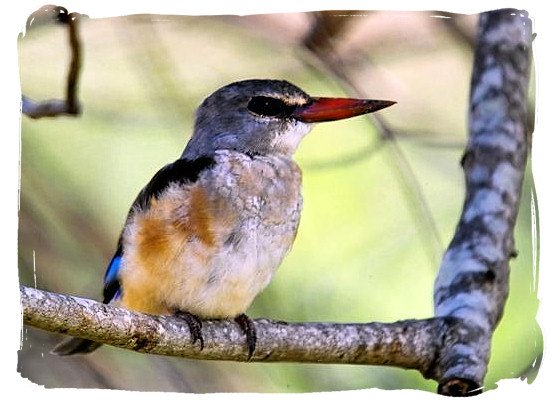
(270, 107)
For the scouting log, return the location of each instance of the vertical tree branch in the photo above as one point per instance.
(472, 285)
(73, 106)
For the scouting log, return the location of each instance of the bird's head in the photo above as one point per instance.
(266, 117)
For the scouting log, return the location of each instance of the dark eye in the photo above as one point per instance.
(270, 106)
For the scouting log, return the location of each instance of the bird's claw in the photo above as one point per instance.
(195, 326)
(248, 328)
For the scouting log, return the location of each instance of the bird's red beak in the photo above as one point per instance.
(322, 109)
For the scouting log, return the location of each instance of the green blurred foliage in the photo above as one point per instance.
(360, 254)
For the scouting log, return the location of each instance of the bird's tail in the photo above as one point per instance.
(72, 346)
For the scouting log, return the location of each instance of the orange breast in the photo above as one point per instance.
(180, 225)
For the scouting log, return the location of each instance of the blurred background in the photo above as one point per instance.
(381, 196)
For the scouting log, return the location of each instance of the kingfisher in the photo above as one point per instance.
(206, 235)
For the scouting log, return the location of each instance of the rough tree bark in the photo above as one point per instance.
(471, 287)
(472, 284)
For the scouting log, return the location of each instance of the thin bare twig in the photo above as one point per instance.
(70, 105)
(348, 159)
(327, 61)
(429, 139)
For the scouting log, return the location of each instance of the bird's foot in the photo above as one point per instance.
(195, 326)
(248, 328)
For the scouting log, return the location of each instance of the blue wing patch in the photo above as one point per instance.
(111, 282)
(112, 270)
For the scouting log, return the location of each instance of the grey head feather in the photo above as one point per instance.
(224, 122)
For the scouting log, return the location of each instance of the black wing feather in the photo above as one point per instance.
(180, 171)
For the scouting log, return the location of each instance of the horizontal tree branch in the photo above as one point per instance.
(408, 344)
(47, 108)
